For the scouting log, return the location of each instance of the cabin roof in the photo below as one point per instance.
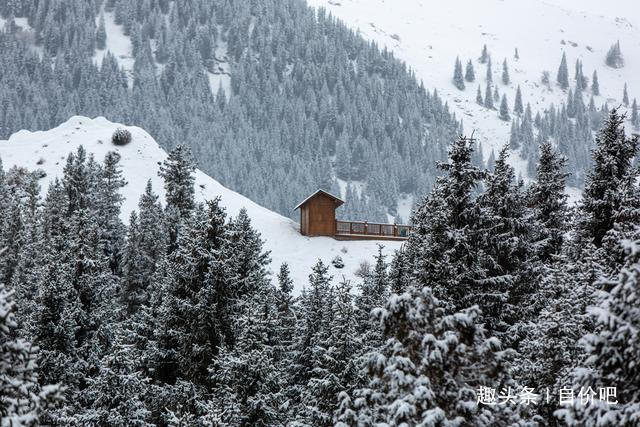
(339, 202)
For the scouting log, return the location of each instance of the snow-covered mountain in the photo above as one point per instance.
(140, 161)
(429, 35)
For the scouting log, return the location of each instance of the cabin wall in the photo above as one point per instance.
(321, 217)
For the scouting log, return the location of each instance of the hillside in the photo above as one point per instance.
(140, 160)
(230, 79)
(429, 37)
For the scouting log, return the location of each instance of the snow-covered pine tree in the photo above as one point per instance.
(614, 58)
(612, 352)
(134, 275)
(563, 73)
(612, 169)
(505, 73)
(286, 317)
(23, 401)
(484, 56)
(101, 34)
(504, 109)
(311, 329)
(108, 203)
(194, 316)
(488, 97)
(442, 250)
(549, 200)
(581, 80)
(625, 95)
(563, 294)
(246, 382)
(117, 394)
(398, 272)
(447, 357)
(374, 292)
(518, 107)
(595, 85)
(491, 161)
(635, 117)
(56, 325)
(479, 99)
(338, 369)
(458, 78)
(506, 231)
(177, 171)
(470, 74)
(489, 75)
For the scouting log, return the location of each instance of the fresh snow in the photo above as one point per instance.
(118, 44)
(428, 36)
(140, 162)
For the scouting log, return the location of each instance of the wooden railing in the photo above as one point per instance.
(357, 228)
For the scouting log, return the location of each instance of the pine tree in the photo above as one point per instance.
(563, 73)
(612, 351)
(24, 402)
(581, 80)
(491, 161)
(398, 272)
(286, 317)
(506, 232)
(470, 74)
(518, 108)
(635, 118)
(488, 97)
(484, 56)
(612, 169)
(489, 76)
(547, 196)
(374, 291)
(311, 328)
(108, 203)
(516, 55)
(458, 79)
(195, 319)
(504, 109)
(595, 86)
(246, 383)
(614, 58)
(337, 360)
(505, 73)
(101, 34)
(117, 394)
(442, 247)
(448, 358)
(177, 171)
(625, 96)
(479, 99)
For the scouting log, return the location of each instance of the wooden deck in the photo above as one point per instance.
(356, 230)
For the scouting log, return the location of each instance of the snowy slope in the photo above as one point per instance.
(118, 44)
(428, 35)
(140, 160)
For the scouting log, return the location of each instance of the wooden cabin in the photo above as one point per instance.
(318, 214)
(318, 218)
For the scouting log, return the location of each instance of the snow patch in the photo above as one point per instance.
(118, 44)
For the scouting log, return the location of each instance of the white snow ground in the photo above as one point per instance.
(428, 35)
(140, 161)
